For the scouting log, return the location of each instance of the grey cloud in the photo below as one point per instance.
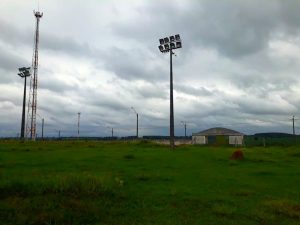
(10, 34)
(234, 28)
(194, 91)
(239, 33)
(152, 90)
(107, 102)
(290, 14)
(10, 61)
(13, 35)
(265, 106)
(56, 85)
(133, 64)
(66, 45)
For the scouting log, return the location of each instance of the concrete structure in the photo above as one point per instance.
(219, 136)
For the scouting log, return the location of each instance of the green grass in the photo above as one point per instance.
(143, 183)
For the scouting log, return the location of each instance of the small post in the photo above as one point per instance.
(43, 129)
(137, 125)
(78, 124)
(137, 121)
(293, 125)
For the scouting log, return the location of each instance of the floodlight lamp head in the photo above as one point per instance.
(38, 14)
(161, 41)
(161, 48)
(22, 69)
(172, 38)
(178, 44)
(26, 73)
(166, 40)
(177, 37)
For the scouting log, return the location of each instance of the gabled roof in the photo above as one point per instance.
(218, 131)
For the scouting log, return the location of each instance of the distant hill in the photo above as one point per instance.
(273, 135)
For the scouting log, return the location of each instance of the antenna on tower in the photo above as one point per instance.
(32, 103)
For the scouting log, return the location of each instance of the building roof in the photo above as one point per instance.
(218, 131)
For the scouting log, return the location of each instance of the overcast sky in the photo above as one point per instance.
(238, 68)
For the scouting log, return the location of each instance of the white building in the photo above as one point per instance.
(218, 136)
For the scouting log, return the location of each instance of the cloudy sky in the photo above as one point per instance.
(239, 66)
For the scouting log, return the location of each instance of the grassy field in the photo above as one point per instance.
(143, 183)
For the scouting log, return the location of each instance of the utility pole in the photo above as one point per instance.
(167, 44)
(293, 120)
(43, 129)
(112, 131)
(293, 125)
(78, 125)
(137, 122)
(184, 124)
(24, 72)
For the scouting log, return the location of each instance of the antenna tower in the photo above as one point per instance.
(32, 103)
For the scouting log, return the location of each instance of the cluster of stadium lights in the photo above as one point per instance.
(24, 72)
(169, 43)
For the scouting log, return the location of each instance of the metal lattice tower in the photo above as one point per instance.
(32, 103)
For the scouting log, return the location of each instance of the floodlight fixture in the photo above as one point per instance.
(167, 43)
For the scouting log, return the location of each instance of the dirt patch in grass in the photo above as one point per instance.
(237, 155)
(129, 157)
(264, 173)
(243, 193)
(296, 154)
(152, 177)
(285, 208)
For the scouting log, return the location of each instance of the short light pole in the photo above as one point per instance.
(24, 72)
(137, 122)
(42, 125)
(78, 124)
(112, 131)
(184, 124)
(293, 120)
(43, 129)
(168, 44)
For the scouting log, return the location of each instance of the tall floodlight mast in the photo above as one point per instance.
(32, 103)
(168, 44)
(24, 72)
